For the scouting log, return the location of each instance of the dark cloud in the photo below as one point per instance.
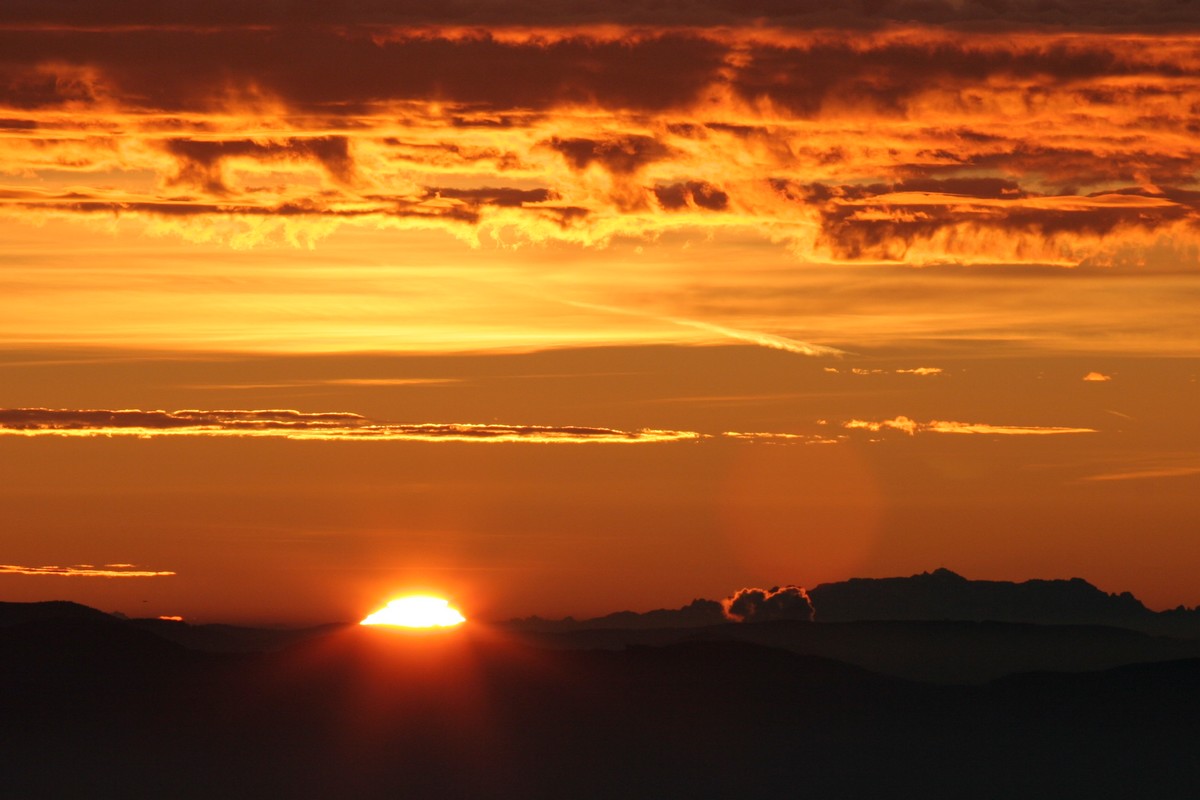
(190, 67)
(884, 76)
(988, 14)
(763, 605)
(27, 419)
(492, 196)
(995, 188)
(466, 208)
(200, 160)
(873, 221)
(622, 155)
(701, 194)
(181, 69)
(1069, 167)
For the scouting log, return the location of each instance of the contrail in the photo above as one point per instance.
(752, 337)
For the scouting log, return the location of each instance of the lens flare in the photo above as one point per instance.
(416, 611)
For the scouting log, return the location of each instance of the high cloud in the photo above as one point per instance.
(86, 571)
(900, 131)
(298, 425)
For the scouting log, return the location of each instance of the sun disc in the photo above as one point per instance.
(416, 611)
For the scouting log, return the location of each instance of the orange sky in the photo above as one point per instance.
(593, 308)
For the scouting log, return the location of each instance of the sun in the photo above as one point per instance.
(416, 611)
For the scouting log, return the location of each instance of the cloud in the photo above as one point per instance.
(200, 161)
(86, 571)
(767, 437)
(920, 371)
(768, 340)
(1144, 474)
(764, 605)
(799, 14)
(912, 427)
(847, 132)
(621, 155)
(1098, 377)
(288, 424)
(691, 194)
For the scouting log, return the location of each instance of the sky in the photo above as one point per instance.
(578, 307)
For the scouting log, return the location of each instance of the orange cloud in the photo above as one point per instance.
(842, 134)
(287, 424)
(911, 427)
(1097, 377)
(86, 571)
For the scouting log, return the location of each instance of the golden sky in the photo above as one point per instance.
(590, 306)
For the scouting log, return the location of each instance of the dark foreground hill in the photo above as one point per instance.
(97, 709)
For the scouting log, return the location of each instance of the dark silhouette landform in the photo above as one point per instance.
(955, 703)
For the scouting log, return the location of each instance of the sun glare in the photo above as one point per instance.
(416, 611)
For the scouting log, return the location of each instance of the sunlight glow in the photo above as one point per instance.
(416, 611)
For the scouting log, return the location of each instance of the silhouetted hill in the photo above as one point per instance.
(219, 638)
(83, 650)
(370, 713)
(941, 652)
(17, 613)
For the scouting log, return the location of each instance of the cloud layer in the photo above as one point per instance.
(894, 131)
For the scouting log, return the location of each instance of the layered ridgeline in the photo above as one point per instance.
(935, 596)
(97, 706)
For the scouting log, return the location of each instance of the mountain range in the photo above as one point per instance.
(941, 595)
(93, 705)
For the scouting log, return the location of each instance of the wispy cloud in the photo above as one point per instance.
(288, 424)
(912, 427)
(86, 571)
(918, 371)
(1145, 474)
(780, 438)
(304, 383)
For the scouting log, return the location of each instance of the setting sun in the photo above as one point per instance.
(416, 611)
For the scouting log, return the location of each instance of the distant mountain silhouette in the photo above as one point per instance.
(17, 613)
(944, 595)
(935, 596)
(697, 614)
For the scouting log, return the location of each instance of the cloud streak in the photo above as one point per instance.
(288, 424)
(912, 427)
(86, 571)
